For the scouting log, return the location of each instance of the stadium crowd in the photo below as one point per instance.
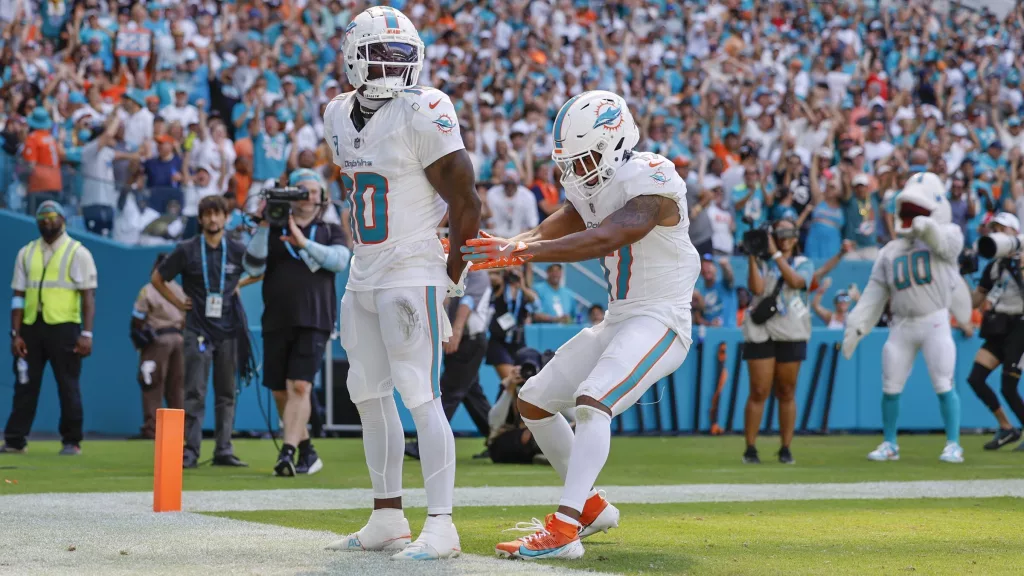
(130, 112)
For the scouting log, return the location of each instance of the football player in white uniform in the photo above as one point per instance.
(629, 209)
(403, 164)
(918, 274)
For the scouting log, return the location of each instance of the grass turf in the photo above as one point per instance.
(123, 466)
(835, 537)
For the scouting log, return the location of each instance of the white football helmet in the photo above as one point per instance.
(923, 195)
(594, 132)
(383, 52)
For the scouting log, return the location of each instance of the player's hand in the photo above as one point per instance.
(447, 245)
(487, 253)
(83, 346)
(295, 236)
(18, 347)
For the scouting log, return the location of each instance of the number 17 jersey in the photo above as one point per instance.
(395, 210)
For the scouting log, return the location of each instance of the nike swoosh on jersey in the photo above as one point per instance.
(655, 165)
(434, 105)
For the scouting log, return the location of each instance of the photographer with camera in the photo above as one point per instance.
(776, 329)
(1001, 291)
(510, 441)
(299, 257)
(512, 303)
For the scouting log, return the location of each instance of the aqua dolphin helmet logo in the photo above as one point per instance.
(660, 178)
(609, 116)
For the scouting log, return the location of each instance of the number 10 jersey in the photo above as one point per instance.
(395, 210)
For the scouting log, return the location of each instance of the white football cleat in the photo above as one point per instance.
(886, 451)
(598, 516)
(387, 530)
(952, 453)
(438, 540)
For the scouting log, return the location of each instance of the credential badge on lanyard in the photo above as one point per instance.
(215, 300)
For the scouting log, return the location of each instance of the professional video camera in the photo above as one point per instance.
(530, 361)
(279, 204)
(998, 245)
(755, 240)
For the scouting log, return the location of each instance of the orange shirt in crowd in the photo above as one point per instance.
(242, 184)
(41, 150)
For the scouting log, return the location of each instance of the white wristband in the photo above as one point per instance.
(777, 255)
(86, 333)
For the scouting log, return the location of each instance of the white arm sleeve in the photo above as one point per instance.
(868, 310)
(961, 305)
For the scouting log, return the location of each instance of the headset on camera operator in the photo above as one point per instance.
(511, 442)
(1002, 287)
(298, 255)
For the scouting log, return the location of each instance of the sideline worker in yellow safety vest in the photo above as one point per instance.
(51, 321)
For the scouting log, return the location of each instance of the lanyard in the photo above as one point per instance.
(519, 302)
(223, 266)
(312, 235)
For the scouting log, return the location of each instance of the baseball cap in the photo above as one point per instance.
(50, 207)
(1008, 220)
(861, 180)
(854, 152)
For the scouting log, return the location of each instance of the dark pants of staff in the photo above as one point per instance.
(222, 355)
(54, 344)
(460, 382)
(164, 379)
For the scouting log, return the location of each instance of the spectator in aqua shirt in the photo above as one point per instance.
(554, 300)
(749, 201)
(992, 159)
(860, 209)
(717, 293)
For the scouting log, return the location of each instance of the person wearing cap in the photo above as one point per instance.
(138, 127)
(833, 319)
(876, 146)
(1012, 135)
(43, 155)
(861, 207)
(299, 265)
(99, 189)
(1000, 292)
(52, 314)
(210, 266)
(163, 174)
(180, 110)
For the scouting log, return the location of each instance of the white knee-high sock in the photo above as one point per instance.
(555, 438)
(383, 444)
(589, 454)
(437, 455)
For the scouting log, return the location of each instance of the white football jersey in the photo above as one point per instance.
(655, 276)
(919, 280)
(395, 210)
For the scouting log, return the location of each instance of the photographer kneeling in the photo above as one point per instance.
(511, 442)
(775, 330)
(299, 256)
(1001, 327)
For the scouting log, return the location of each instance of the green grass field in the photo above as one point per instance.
(816, 537)
(898, 536)
(124, 466)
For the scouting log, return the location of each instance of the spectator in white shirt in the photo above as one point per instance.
(876, 147)
(138, 128)
(722, 224)
(180, 111)
(513, 207)
(99, 191)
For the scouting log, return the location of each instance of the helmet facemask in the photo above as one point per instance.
(586, 173)
(383, 68)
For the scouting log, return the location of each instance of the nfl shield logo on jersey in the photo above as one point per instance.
(357, 143)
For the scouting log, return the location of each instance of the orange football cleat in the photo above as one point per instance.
(555, 539)
(598, 515)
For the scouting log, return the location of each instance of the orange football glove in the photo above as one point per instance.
(490, 252)
(447, 245)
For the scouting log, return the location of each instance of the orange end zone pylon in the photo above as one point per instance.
(170, 439)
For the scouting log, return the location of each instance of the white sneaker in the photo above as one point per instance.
(386, 530)
(885, 451)
(952, 453)
(438, 540)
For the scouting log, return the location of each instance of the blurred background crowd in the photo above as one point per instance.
(130, 112)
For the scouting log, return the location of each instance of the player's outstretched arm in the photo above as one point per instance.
(625, 226)
(453, 178)
(562, 223)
